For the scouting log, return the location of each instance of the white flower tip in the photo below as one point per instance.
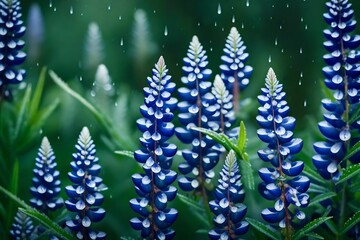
(234, 32)
(230, 159)
(45, 145)
(195, 40)
(94, 28)
(161, 62)
(271, 75)
(219, 88)
(85, 135)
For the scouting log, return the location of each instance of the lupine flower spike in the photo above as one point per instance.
(11, 56)
(282, 182)
(22, 227)
(234, 72)
(225, 108)
(84, 196)
(156, 155)
(46, 183)
(196, 110)
(342, 75)
(228, 206)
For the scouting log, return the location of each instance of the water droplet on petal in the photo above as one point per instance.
(345, 135)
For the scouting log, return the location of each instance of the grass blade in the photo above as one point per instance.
(321, 197)
(352, 221)
(34, 105)
(43, 219)
(129, 154)
(348, 173)
(310, 226)
(265, 229)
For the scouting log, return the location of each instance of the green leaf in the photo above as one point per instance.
(322, 197)
(242, 137)
(190, 202)
(314, 236)
(127, 238)
(348, 173)
(247, 175)
(352, 221)
(47, 223)
(38, 216)
(34, 106)
(355, 115)
(312, 174)
(14, 184)
(21, 114)
(310, 226)
(317, 188)
(353, 150)
(129, 154)
(99, 116)
(221, 139)
(331, 225)
(264, 228)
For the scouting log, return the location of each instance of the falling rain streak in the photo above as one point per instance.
(71, 10)
(247, 3)
(165, 31)
(219, 9)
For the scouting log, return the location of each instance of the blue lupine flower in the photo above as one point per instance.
(283, 181)
(156, 155)
(46, 183)
(225, 114)
(11, 56)
(228, 206)
(84, 196)
(196, 110)
(342, 75)
(23, 227)
(234, 72)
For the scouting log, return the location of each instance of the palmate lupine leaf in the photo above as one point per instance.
(241, 155)
(42, 218)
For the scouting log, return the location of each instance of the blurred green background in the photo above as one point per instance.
(285, 35)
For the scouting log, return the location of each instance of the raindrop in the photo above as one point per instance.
(92, 93)
(219, 9)
(41, 131)
(301, 19)
(50, 4)
(242, 25)
(287, 5)
(306, 27)
(71, 10)
(300, 82)
(109, 7)
(165, 31)
(247, 3)
(305, 104)
(116, 104)
(119, 18)
(198, 24)
(280, 27)
(301, 74)
(80, 78)
(345, 135)
(233, 19)
(276, 43)
(301, 50)
(282, 50)
(121, 42)
(215, 24)
(54, 9)
(270, 59)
